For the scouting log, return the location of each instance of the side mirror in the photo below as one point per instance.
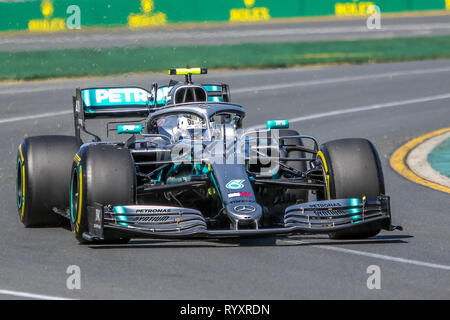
(129, 128)
(277, 124)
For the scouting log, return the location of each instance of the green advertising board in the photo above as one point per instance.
(54, 15)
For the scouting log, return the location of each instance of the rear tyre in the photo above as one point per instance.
(43, 177)
(102, 174)
(354, 170)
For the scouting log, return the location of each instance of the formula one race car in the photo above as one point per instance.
(187, 168)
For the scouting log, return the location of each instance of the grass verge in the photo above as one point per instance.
(29, 65)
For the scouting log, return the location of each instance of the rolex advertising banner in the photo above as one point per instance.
(61, 15)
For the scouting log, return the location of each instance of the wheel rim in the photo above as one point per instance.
(19, 184)
(74, 196)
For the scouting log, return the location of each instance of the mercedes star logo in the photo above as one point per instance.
(244, 209)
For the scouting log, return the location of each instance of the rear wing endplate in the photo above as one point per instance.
(115, 102)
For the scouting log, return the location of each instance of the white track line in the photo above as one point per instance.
(36, 116)
(30, 295)
(341, 79)
(385, 257)
(375, 255)
(364, 108)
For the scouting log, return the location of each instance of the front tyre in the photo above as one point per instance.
(102, 174)
(352, 170)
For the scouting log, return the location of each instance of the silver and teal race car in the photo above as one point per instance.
(182, 165)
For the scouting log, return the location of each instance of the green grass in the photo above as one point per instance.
(94, 62)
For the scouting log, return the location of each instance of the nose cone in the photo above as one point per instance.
(240, 212)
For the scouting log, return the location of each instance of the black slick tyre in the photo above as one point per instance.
(353, 170)
(102, 174)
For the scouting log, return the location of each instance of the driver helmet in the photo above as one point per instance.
(191, 126)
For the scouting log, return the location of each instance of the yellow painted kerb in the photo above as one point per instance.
(398, 161)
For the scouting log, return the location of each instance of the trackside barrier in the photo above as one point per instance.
(61, 15)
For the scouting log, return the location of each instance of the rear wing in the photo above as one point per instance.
(116, 102)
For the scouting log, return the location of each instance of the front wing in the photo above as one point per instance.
(146, 221)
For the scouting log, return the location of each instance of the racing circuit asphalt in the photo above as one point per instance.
(386, 103)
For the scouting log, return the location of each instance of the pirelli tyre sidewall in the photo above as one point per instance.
(352, 170)
(103, 174)
(43, 175)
